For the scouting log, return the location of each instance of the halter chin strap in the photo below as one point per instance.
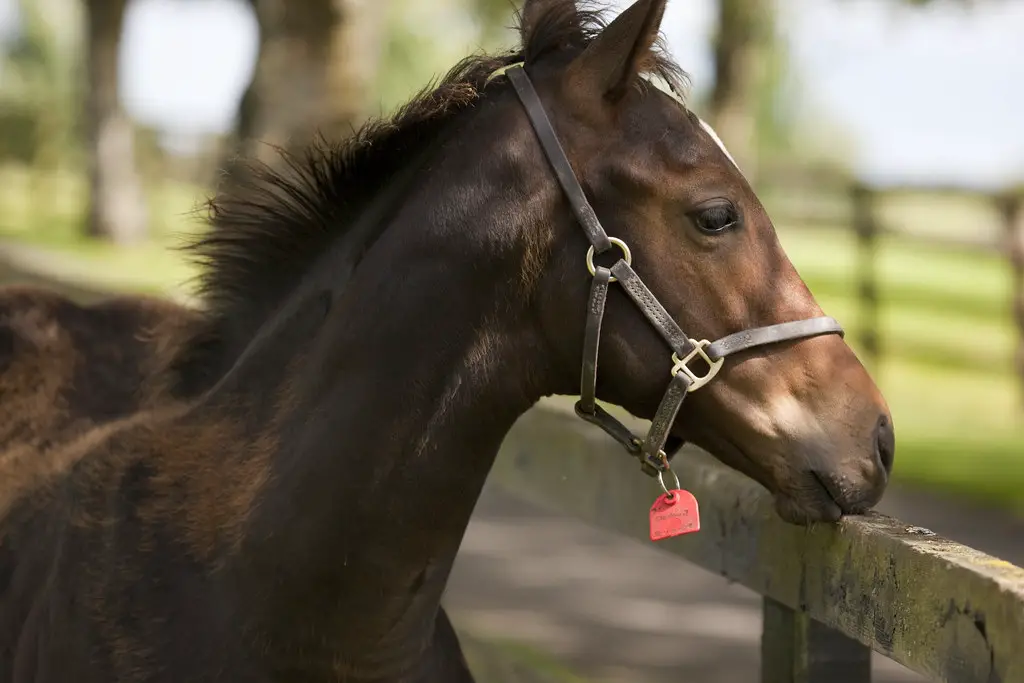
(656, 449)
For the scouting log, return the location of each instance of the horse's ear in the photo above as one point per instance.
(615, 57)
(533, 10)
(560, 16)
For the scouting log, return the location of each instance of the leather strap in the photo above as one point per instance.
(652, 308)
(761, 336)
(592, 338)
(558, 160)
(587, 407)
(612, 428)
(654, 457)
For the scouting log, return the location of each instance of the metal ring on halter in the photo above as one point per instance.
(662, 481)
(627, 256)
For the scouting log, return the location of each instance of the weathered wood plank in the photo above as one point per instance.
(942, 609)
(798, 649)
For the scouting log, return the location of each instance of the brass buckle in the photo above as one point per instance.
(680, 365)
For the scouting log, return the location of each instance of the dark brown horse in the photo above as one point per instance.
(378, 318)
(65, 367)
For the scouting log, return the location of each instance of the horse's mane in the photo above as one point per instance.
(268, 227)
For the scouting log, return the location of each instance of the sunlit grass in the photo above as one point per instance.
(40, 225)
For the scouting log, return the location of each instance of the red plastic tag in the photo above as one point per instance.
(673, 514)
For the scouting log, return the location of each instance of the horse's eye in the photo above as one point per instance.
(716, 219)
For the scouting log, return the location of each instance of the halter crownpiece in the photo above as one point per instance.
(651, 450)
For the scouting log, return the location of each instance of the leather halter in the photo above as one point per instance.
(650, 450)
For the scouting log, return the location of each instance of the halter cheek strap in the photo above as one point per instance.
(657, 447)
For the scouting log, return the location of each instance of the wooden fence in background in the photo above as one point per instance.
(864, 221)
(869, 229)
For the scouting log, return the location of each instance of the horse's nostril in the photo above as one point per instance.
(885, 442)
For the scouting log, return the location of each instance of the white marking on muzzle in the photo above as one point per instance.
(788, 417)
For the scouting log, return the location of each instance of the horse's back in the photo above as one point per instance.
(94, 583)
(65, 366)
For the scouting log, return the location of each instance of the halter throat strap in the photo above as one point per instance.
(656, 449)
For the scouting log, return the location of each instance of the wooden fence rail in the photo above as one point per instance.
(868, 229)
(860, 214)
(1012, 209)
(832, 593)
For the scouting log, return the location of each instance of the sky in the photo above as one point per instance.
(927, 95)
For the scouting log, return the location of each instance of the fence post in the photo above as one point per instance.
(865, 226)
(798, 649)
(1012, 209)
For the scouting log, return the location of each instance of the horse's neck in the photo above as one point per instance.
(376, 479)
(403, 402)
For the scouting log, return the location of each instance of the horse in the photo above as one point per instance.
(377, 316)
(65, 366)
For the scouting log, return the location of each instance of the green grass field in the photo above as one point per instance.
(947, 333)
(40, 221)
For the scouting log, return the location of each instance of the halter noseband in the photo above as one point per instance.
(650, 450)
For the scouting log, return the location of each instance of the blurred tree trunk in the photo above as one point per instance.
(356, 50)
(317, 63)
(742, 51)
(117, 205)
